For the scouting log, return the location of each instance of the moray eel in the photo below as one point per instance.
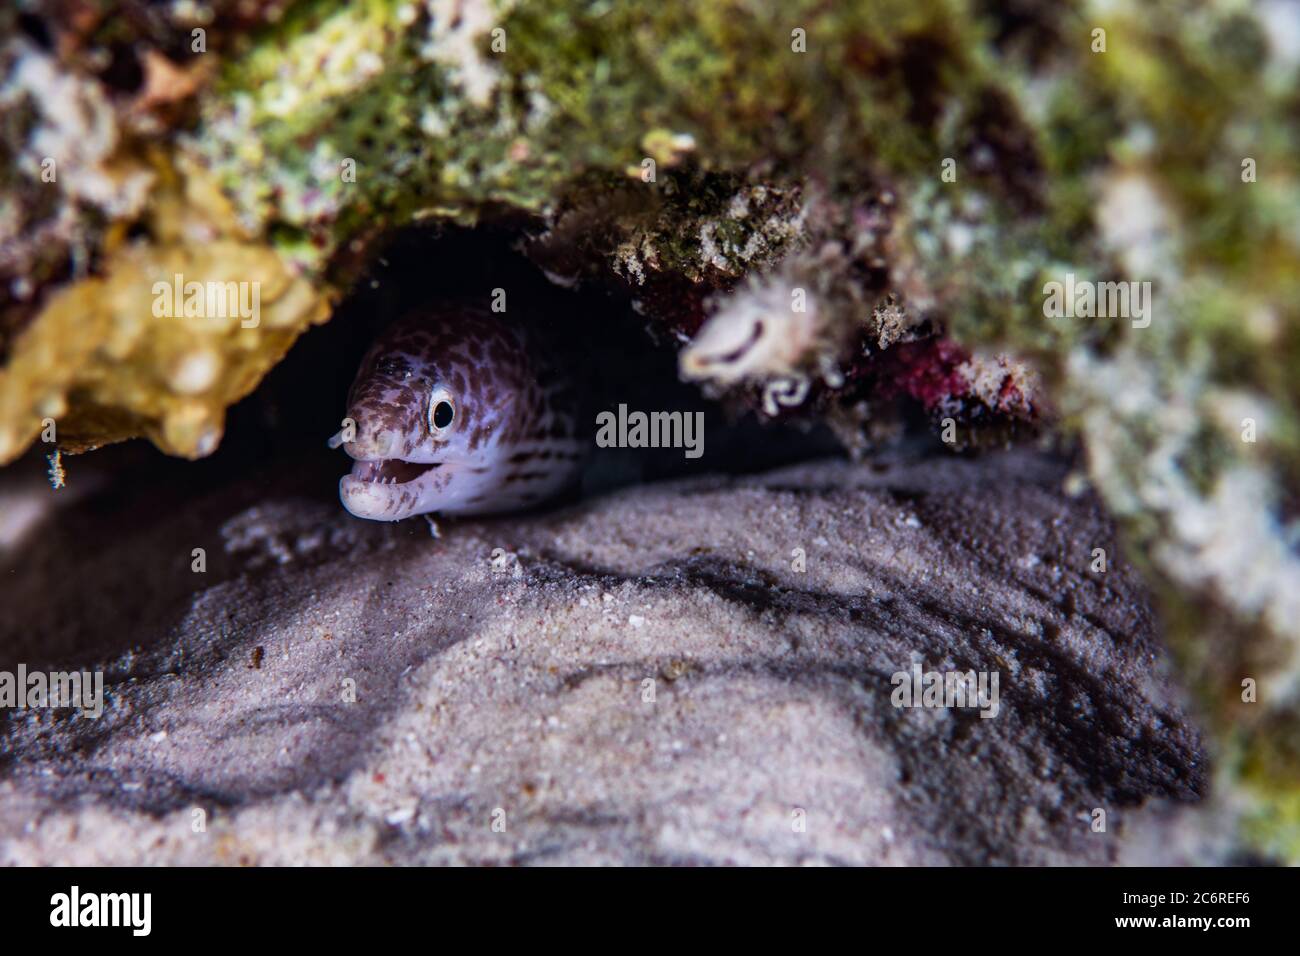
(459, 411)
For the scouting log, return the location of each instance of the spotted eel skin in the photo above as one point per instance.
(459, 411)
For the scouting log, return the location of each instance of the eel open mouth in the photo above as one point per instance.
(390, 471)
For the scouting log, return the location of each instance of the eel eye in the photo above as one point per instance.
(442, 411)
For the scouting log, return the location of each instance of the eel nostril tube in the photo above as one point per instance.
(337, 439)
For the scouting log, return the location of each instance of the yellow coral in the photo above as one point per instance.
(108, 359)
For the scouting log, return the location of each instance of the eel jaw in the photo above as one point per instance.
(385, 489)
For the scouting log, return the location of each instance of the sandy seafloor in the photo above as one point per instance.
(501, 676)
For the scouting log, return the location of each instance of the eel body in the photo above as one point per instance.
(457, 410)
